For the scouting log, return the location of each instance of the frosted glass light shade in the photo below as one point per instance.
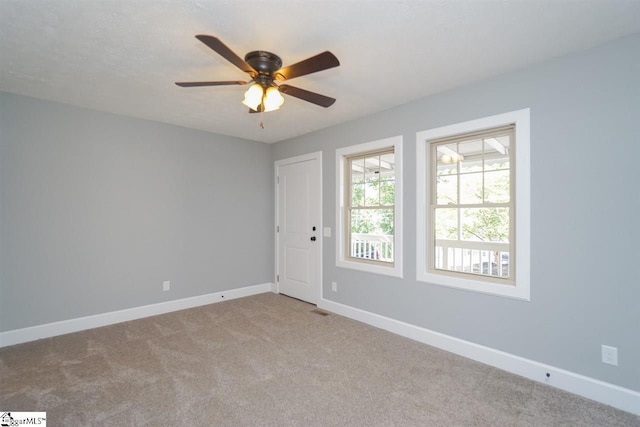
(253, 96)
(272, 100)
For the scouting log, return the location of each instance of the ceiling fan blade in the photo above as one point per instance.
(194, 84)
(321, 61)
(215, 44)
(305, 95)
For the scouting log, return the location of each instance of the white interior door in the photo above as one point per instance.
(298, 227)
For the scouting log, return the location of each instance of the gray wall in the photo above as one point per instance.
(97, 210)
(585, 216)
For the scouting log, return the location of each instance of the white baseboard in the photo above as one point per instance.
(600, 391)
(32, 333)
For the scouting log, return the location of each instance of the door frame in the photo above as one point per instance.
(317, 156)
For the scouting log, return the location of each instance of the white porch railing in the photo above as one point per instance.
(485, 258)
(378, 247)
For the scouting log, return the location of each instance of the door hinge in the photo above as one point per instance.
(277, 228)
(278, 179)
(278, 278)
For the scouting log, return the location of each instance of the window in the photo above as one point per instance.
(473, 215)
(369, 201)
(369, 204)
(471, 205)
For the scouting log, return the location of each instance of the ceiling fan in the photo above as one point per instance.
(265, 68)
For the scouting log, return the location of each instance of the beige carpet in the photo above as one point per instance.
(270, 360)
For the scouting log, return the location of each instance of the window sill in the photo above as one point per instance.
(518, 291)
(394, 271)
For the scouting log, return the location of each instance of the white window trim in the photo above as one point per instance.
(341, 260)
(521, 289)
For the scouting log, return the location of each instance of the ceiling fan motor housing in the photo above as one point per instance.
(265, 63)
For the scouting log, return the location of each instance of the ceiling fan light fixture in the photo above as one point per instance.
(272, 99)
(264, 67)
(253, 96)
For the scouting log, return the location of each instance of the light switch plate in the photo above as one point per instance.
(610, 355)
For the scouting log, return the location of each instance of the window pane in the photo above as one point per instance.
(476, 261)
(496, 152)
(496, 163)
(446, 189)
(357, 170)
(387, 166)
(357, 182)
(446, 223)
(372, 234)
(471, 164)
(448, 155)
(496, 186)
(447, 168)
(387, 193)
(372, 168)
(485, 224)
(357, 195)
(372, 192)
(470, 156)
(471, 188)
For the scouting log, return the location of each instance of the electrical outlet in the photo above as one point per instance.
(166, 285)
(334, 286)
(610, 355)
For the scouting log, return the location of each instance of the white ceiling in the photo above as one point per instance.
(124, 56)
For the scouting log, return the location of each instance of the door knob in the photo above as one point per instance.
(313, 238)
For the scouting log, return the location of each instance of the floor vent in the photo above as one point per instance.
(320, 312)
